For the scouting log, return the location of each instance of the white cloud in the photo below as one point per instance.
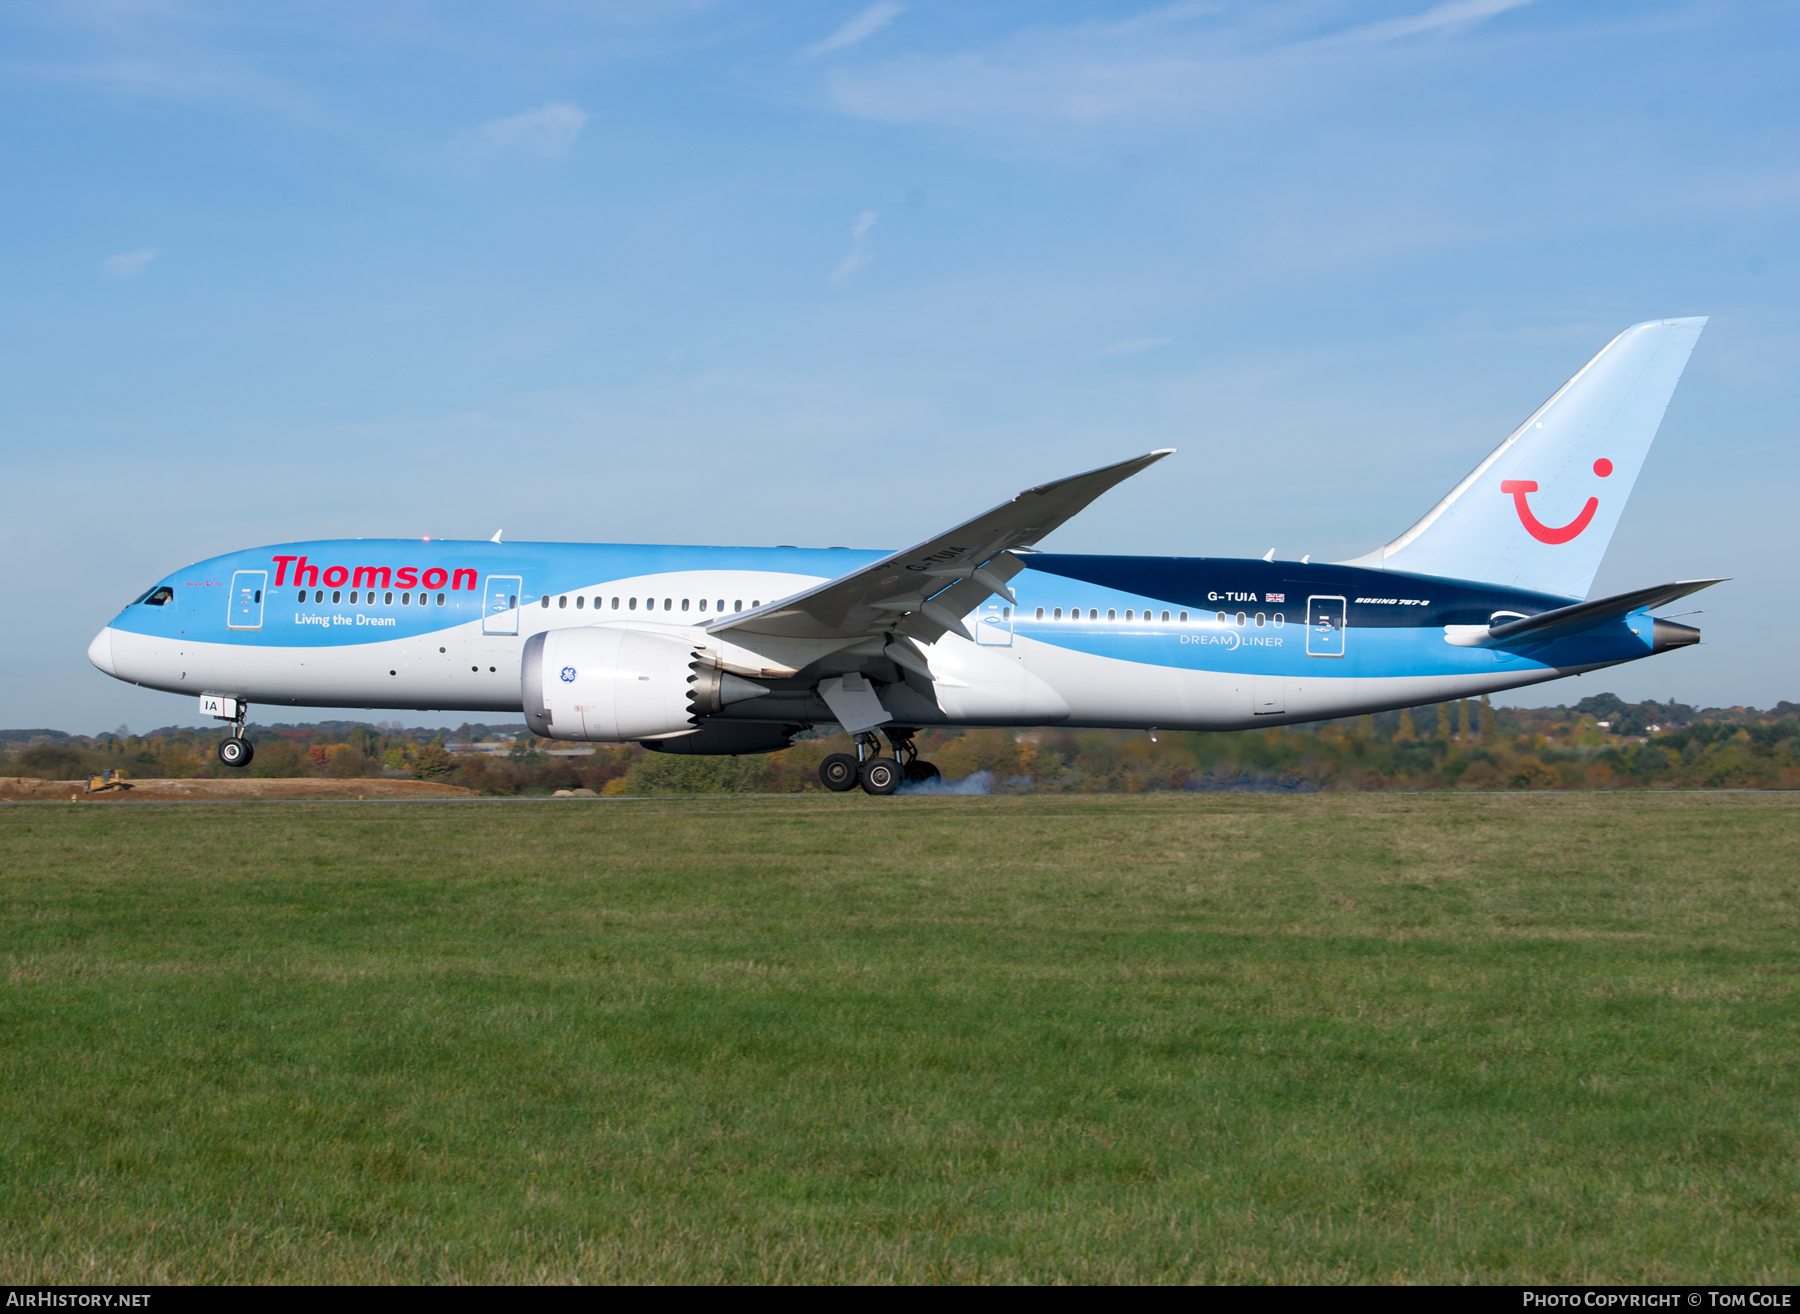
(1174, 64)
(1454, 14)
(548, 131)
(858, 255)
(860, 28)
(129, 264)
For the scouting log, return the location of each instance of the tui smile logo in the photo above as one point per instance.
(1523, 488)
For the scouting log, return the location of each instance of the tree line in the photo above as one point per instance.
(1601, 742)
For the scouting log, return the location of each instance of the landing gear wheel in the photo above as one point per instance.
(917, 772)
(880, 775)
(838, 772)
(235, 752)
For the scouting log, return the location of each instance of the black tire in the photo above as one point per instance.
(838, 773)
(235, 752)
(917, 772)
(880, 775)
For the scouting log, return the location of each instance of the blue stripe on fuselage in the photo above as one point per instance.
(1395, 621)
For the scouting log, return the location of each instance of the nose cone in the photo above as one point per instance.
(100, 651)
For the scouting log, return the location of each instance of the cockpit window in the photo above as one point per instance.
(159, 596)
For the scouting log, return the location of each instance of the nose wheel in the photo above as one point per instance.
(234, 749)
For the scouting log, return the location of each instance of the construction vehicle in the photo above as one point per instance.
(105, 780)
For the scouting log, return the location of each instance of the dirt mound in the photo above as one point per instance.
(15, 789)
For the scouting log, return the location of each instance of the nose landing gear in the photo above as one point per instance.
(235, 750)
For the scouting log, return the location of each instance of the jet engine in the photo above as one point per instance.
(615, 683)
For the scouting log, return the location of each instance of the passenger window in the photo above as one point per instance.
(702, 604)
(1111, 615)
(649, 604)
(259, 595)
(1057, 614)
(1093, 613)
(668, 604)
(615, 604)
(1259, 620)
(721, 605)
(440, 599)
(387, 599)
(1278, 621)
(684, 604)
(406, 599)
(1006, 613)
(1166, 617)
(302, 595)
(1221, 618)
(563, 601)
(580, 603)
(738, 605)
(1240, 620)
(1183, 618)
(755, 603)
(319, 595)
(1040, 614)
(352, 595)
(544, 601)
(633, 606)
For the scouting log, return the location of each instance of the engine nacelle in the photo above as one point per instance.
(623, 681)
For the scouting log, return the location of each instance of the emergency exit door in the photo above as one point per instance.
(500, 608)
(244, 610)
(993, 624)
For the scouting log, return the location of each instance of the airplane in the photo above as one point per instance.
(731, 650)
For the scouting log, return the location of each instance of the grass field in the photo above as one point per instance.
(1129, 1038)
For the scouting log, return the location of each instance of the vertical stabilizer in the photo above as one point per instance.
(1540, 510)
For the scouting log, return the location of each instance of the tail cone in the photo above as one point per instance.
(1668, 634)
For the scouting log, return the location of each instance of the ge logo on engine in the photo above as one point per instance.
(568, 675)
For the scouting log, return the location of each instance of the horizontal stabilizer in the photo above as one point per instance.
(1585, 615)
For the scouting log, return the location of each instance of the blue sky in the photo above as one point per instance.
(841, 273)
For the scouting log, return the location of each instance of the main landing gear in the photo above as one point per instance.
(877, 775)
(234, 749)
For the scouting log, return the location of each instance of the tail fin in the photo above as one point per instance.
(1539, 512)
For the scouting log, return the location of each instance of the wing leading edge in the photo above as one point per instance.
(923, 592)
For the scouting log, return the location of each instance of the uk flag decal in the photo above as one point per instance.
(1274, 597)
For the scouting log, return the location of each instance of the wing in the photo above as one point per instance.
(927, 589)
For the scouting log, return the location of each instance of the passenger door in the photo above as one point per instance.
(1325, 626)
(500, 608)
(244, 609)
